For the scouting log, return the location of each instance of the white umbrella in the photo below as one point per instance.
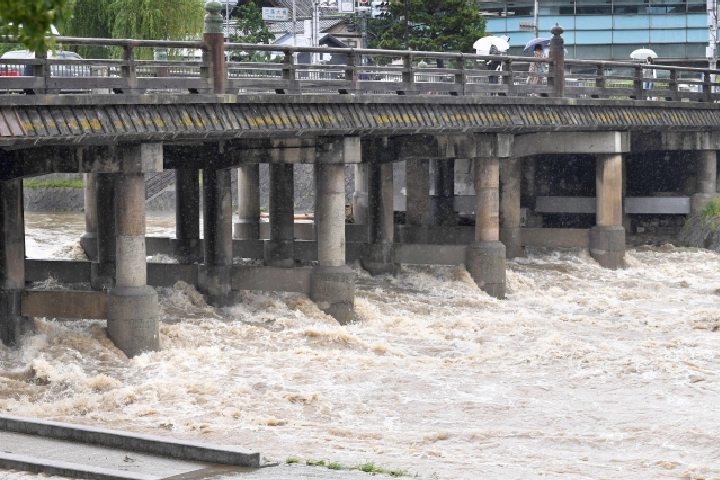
(482, 46)
(643, 54)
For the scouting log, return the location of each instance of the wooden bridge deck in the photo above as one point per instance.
(27, 121)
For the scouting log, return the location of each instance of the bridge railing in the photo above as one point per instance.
(288, 69)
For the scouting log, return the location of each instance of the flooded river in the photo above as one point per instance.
(582, 373)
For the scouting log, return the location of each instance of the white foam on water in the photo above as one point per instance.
(582, 372)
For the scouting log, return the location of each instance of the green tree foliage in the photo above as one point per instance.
(156, 19)
(136, 19)
(29, 21)
(435, 25)
(89, 19)
(251, 28)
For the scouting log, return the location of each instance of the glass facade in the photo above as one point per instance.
(607, 29)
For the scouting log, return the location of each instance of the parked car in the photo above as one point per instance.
(10, 70)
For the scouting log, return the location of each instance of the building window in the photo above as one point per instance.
(593, 7)
(520, 9)
(667, 6)
(624, 7)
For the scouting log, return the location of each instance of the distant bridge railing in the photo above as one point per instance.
(351, 71)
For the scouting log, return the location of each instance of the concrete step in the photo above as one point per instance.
(78, 451)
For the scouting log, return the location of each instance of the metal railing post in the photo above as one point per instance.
(557, 55)
(215, 40)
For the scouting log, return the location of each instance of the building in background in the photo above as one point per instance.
(608, 29)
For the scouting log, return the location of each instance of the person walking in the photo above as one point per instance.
(649, 73)
(494, 65)
(536, 67)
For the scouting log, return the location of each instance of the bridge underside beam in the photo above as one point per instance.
(42, 161)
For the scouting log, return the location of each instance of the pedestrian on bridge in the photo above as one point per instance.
(495, 65)
(536, 67)
(649, 73)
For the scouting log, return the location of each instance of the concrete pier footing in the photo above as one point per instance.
(485, 258)
(214, 275)
(607, 239)
(607, 246)
(332, 282)
(333, 290)
(485, 261)
(132, 308)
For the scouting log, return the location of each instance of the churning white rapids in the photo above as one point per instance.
(582, 372)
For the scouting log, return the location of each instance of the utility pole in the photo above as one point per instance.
(294, 25)
(227, 18)
(407, 43)
(535, 20)
(711, 50)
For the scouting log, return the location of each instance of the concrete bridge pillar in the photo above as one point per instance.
(248, 224)
(706, 168)
(103, 269)
(417, 188)
(187, 215)
(332, 284)
(214, 275)
(360, 197)
(279, 248)
(132, 309)
(379, 257)
(12, 262)
(443, 211)
(89, 239)
(607, 239)
(510, 207)
(485, 258)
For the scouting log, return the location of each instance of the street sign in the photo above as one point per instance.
(274, 14)
(346, 6)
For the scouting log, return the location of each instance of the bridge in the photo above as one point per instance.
(117, 120)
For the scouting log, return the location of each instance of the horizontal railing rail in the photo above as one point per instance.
(287, 69)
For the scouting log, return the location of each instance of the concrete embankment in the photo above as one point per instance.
(67, 199)
(42, 446)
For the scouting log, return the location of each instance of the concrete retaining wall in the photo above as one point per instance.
(71, 199)
(54, 199)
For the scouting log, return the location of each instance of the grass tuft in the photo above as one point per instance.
(57, 183)
(315, 463)
(292, 460)
(711, 209)
(334, 466)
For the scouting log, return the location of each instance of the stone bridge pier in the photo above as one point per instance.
(499, 170)
(114, 240)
